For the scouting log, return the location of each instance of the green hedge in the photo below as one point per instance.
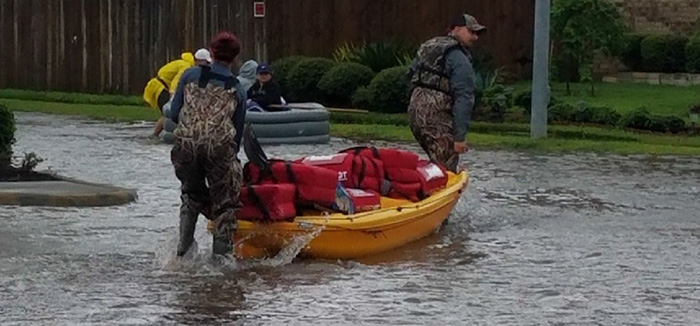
(387, 92)
(605, 116)
(523, 99)
(340, 83)
(281, 69)
(302, 81)
(64, 97)
(631, 55)
(7, 135)
(664, 53)
(692, 55)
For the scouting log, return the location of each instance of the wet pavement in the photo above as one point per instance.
(538, 239)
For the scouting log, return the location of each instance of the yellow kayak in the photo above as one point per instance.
(342, 236)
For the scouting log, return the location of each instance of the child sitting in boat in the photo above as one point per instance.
(265, 91)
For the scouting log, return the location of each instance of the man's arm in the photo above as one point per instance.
(239, 115)
(178, 98)
(412, 68)
(462, 85)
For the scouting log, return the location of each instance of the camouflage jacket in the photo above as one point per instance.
(429, 69)
(209, 105)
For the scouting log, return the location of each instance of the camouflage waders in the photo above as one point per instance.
(430, 108)
(430, 117)
(205, 153)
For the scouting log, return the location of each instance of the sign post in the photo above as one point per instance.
(259, 31)
(540, 70)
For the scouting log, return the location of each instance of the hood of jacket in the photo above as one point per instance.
(248, 69)
(188, 57)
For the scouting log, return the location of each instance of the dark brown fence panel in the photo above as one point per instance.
(317, 27)
(116, 46)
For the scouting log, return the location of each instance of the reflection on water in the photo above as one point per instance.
(536, 239)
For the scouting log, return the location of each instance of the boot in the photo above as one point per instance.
(222, 241)
(188, 223)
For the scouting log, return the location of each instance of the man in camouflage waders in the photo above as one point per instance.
(209, 107)
(442, 98)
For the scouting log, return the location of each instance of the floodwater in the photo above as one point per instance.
(537, 239)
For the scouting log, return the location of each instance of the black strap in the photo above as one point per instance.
(167, 88)
(290, 172)
(258, 202)
(424, 85)
(207, 75)
(361, 176)
(424, 67)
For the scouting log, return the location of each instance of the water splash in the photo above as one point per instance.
(199, 261)
(292, 250)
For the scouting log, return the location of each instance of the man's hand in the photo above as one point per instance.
(461, 147)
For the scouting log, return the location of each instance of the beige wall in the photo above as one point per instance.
(652, 17)
(660, 16)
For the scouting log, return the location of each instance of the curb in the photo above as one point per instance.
(104, 195)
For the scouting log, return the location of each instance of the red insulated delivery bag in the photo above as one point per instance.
(340, 163)
(433, 177)
(313, 184)
(269, 202)
(364, 200)
(399, 165)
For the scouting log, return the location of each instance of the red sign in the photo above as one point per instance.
(258, 9)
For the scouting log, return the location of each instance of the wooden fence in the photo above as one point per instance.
(115, 46)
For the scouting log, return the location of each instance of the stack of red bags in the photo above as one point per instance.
(350, 181)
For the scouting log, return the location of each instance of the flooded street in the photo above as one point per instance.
(537, 239)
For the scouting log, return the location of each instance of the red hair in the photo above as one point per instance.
(225, 47)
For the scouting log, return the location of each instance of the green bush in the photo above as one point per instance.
(605, 116)
(583, 113)
(523, 99)
(281, 68)
(378, 56)
(516, 114)
(658, 123)
(664, 124)
(302, 81)
(664, 53)
(675, 124)
(340, 83)
(639, 118)
(387, 92)
(493, 103)
(7, 135)
(561, 112)
(631, 55)
(692, 55)
(362, 98)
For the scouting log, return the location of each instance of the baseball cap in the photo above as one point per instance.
(203, 54)
(263, 67)
(468, 21)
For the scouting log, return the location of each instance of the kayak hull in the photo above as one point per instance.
(339, 236)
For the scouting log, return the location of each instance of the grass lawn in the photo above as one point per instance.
(560, 139)
(124, 113)
(659, 99)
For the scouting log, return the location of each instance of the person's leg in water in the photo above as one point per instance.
(163, 99)
(195, 194)
(225, 175)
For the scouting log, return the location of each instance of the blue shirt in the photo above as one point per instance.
(461, 72)
(191, 75)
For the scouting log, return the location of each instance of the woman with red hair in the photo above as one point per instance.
(209, 107)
